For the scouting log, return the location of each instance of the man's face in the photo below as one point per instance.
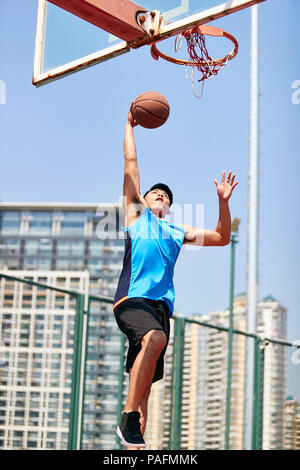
(158, 202)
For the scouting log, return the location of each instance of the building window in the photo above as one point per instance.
(41, 223)
(95, 266)
(10, 223)
(96, 248)
(32, 444)
(10, 246)
(12, 263)
(69, 263)
(31, 247)
(30, 263)
(73, 223)
(38, 247)
(44, 263)
(70, 248)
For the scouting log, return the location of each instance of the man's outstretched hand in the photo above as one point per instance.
(225, 189)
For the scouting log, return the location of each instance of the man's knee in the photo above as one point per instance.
(155, 340)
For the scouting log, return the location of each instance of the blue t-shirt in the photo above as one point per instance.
(152, 247)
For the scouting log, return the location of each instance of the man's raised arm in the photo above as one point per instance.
(220, 236)
(131, 184)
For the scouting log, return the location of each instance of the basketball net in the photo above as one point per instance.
(199, 56)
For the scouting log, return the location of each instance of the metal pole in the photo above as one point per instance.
(252, 254)
(258, 395)
(87, 319)
(261, 399)
(76, 369)
(230, 336)
(176, 385)
(255, 398)
(120, 388)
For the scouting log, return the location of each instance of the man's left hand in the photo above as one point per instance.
(225, 189)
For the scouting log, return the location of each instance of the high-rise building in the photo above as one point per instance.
(68, 242)
(37, 330)
(64, 236)
(291, 428)
(272, 324)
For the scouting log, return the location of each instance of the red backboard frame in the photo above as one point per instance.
(114, 16)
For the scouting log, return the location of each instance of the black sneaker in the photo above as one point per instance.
(129, 430)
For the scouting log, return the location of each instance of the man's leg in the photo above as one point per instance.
(140, 381)
(143, 368)
(143, 410)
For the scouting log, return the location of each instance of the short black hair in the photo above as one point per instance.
(164, 187)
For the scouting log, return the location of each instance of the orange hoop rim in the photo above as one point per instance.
(206, 30)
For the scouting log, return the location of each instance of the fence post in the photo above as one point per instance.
(120, 388)
(230, 338)
(176, 384)
(76, 372)
(261, 401)
(258, 395)
(86, 324)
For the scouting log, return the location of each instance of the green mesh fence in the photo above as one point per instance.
(63, 385)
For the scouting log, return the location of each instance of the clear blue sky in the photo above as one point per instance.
(63, 142)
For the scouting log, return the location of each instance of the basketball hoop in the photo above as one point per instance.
(195, 37)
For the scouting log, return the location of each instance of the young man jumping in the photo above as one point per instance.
(145, 294)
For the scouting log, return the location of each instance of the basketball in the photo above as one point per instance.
(150, 109)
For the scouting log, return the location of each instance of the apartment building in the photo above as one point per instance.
(291, 426)
(37, 340)
(64, 236)
(272, 324)
(66, 241)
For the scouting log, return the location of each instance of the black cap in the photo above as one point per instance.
(164, 187)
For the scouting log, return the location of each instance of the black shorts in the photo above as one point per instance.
(135, 317)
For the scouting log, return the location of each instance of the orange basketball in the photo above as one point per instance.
(150, 109)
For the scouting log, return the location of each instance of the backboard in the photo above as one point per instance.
(68, 42)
